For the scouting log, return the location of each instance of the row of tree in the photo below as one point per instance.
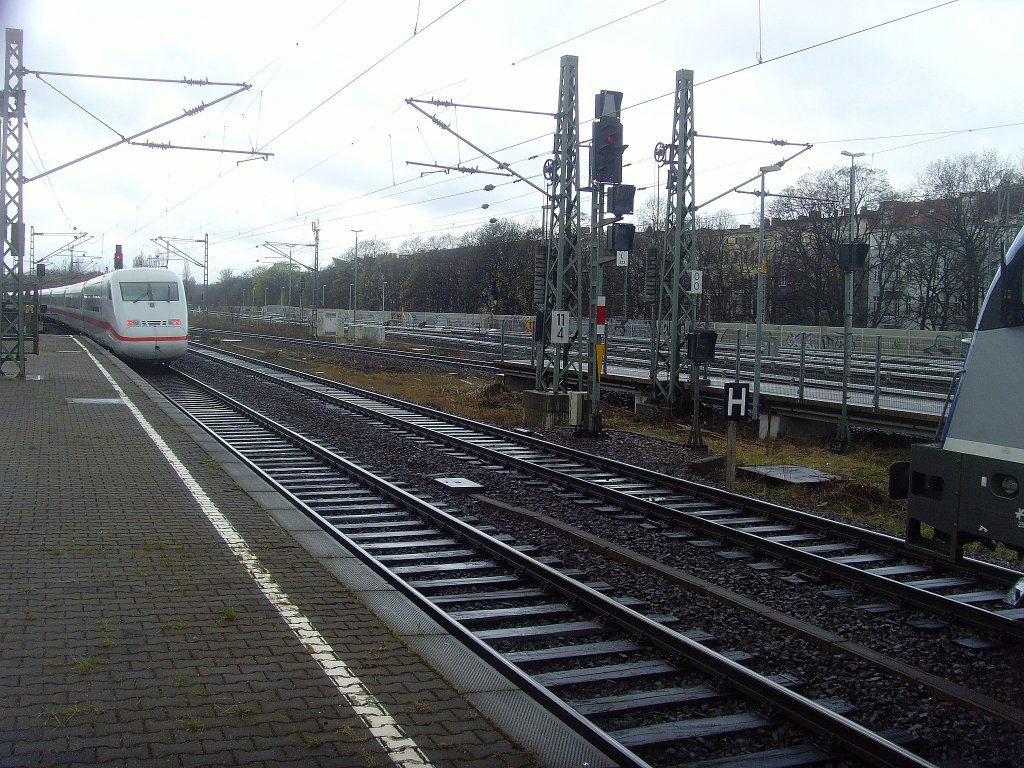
(934, 248)
(487, 270)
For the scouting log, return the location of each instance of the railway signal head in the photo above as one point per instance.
(619, 237)
(853, 255)
(700, 346)
(606, 150)
(620, 199)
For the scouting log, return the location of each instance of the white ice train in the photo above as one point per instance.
(139, 314)
(968, 486)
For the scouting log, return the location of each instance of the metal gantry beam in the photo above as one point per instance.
(76, 238)
(563, 278)
(674, 307)
(278, 248)
(130, 139)
(12, 293)
(169, 246)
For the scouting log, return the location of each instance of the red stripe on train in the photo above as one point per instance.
(105, 326)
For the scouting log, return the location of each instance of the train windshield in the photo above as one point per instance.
(149, 291)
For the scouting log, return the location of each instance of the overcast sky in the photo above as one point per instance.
(329, 80)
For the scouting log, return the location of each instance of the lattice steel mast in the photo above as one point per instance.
(673, 306)
(12, 280)
(562, 275)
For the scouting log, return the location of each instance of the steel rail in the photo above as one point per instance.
(598, 738)
(859, 740)
(881, 584)
(915, 423)
(730, 498)
(339, 346)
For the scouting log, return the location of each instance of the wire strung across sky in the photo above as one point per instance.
(358, 77)
(935, 135)
(761, 61)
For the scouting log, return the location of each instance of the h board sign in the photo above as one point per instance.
(736, 394)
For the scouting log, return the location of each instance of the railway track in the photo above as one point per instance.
(886, 400)
(409, 356)
(641, 691)
(972, 592)
(930, 379)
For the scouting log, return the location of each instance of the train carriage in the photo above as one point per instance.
(139, 314)
(967, 487)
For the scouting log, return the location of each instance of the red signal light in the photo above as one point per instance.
(606, 150)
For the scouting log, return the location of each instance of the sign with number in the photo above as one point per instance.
(559, 327)
(622, 258)
(696, 281)
(736, 394)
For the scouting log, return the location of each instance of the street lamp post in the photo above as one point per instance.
(383, 287)
(842, 441)
(762, 269)
(313, 320)
(290, 262)
(355, 261)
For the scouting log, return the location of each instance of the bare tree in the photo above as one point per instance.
(810, 221)
(893, 250)
(727, 254)
(929, 273)
(958, 199)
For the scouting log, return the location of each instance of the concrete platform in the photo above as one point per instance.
(159, 605)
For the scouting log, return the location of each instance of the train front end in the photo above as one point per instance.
(968, 486)
(150, 322)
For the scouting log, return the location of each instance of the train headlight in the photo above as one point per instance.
(131, 323)
(174, 322)
(1006, 485)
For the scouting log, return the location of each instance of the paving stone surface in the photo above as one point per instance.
(131, 635)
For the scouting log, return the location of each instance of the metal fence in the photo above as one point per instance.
(889, 368)
(893, 369)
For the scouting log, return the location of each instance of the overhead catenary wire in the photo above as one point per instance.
(361, 74)
(372, 129)
(796, 51)
(477, 222)
(769, 60)
(733, 72)
(393, 192)
(49, 181)
(383, 58)
(389, 191)
(170, 208)
(590, 31)
(393, 189)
